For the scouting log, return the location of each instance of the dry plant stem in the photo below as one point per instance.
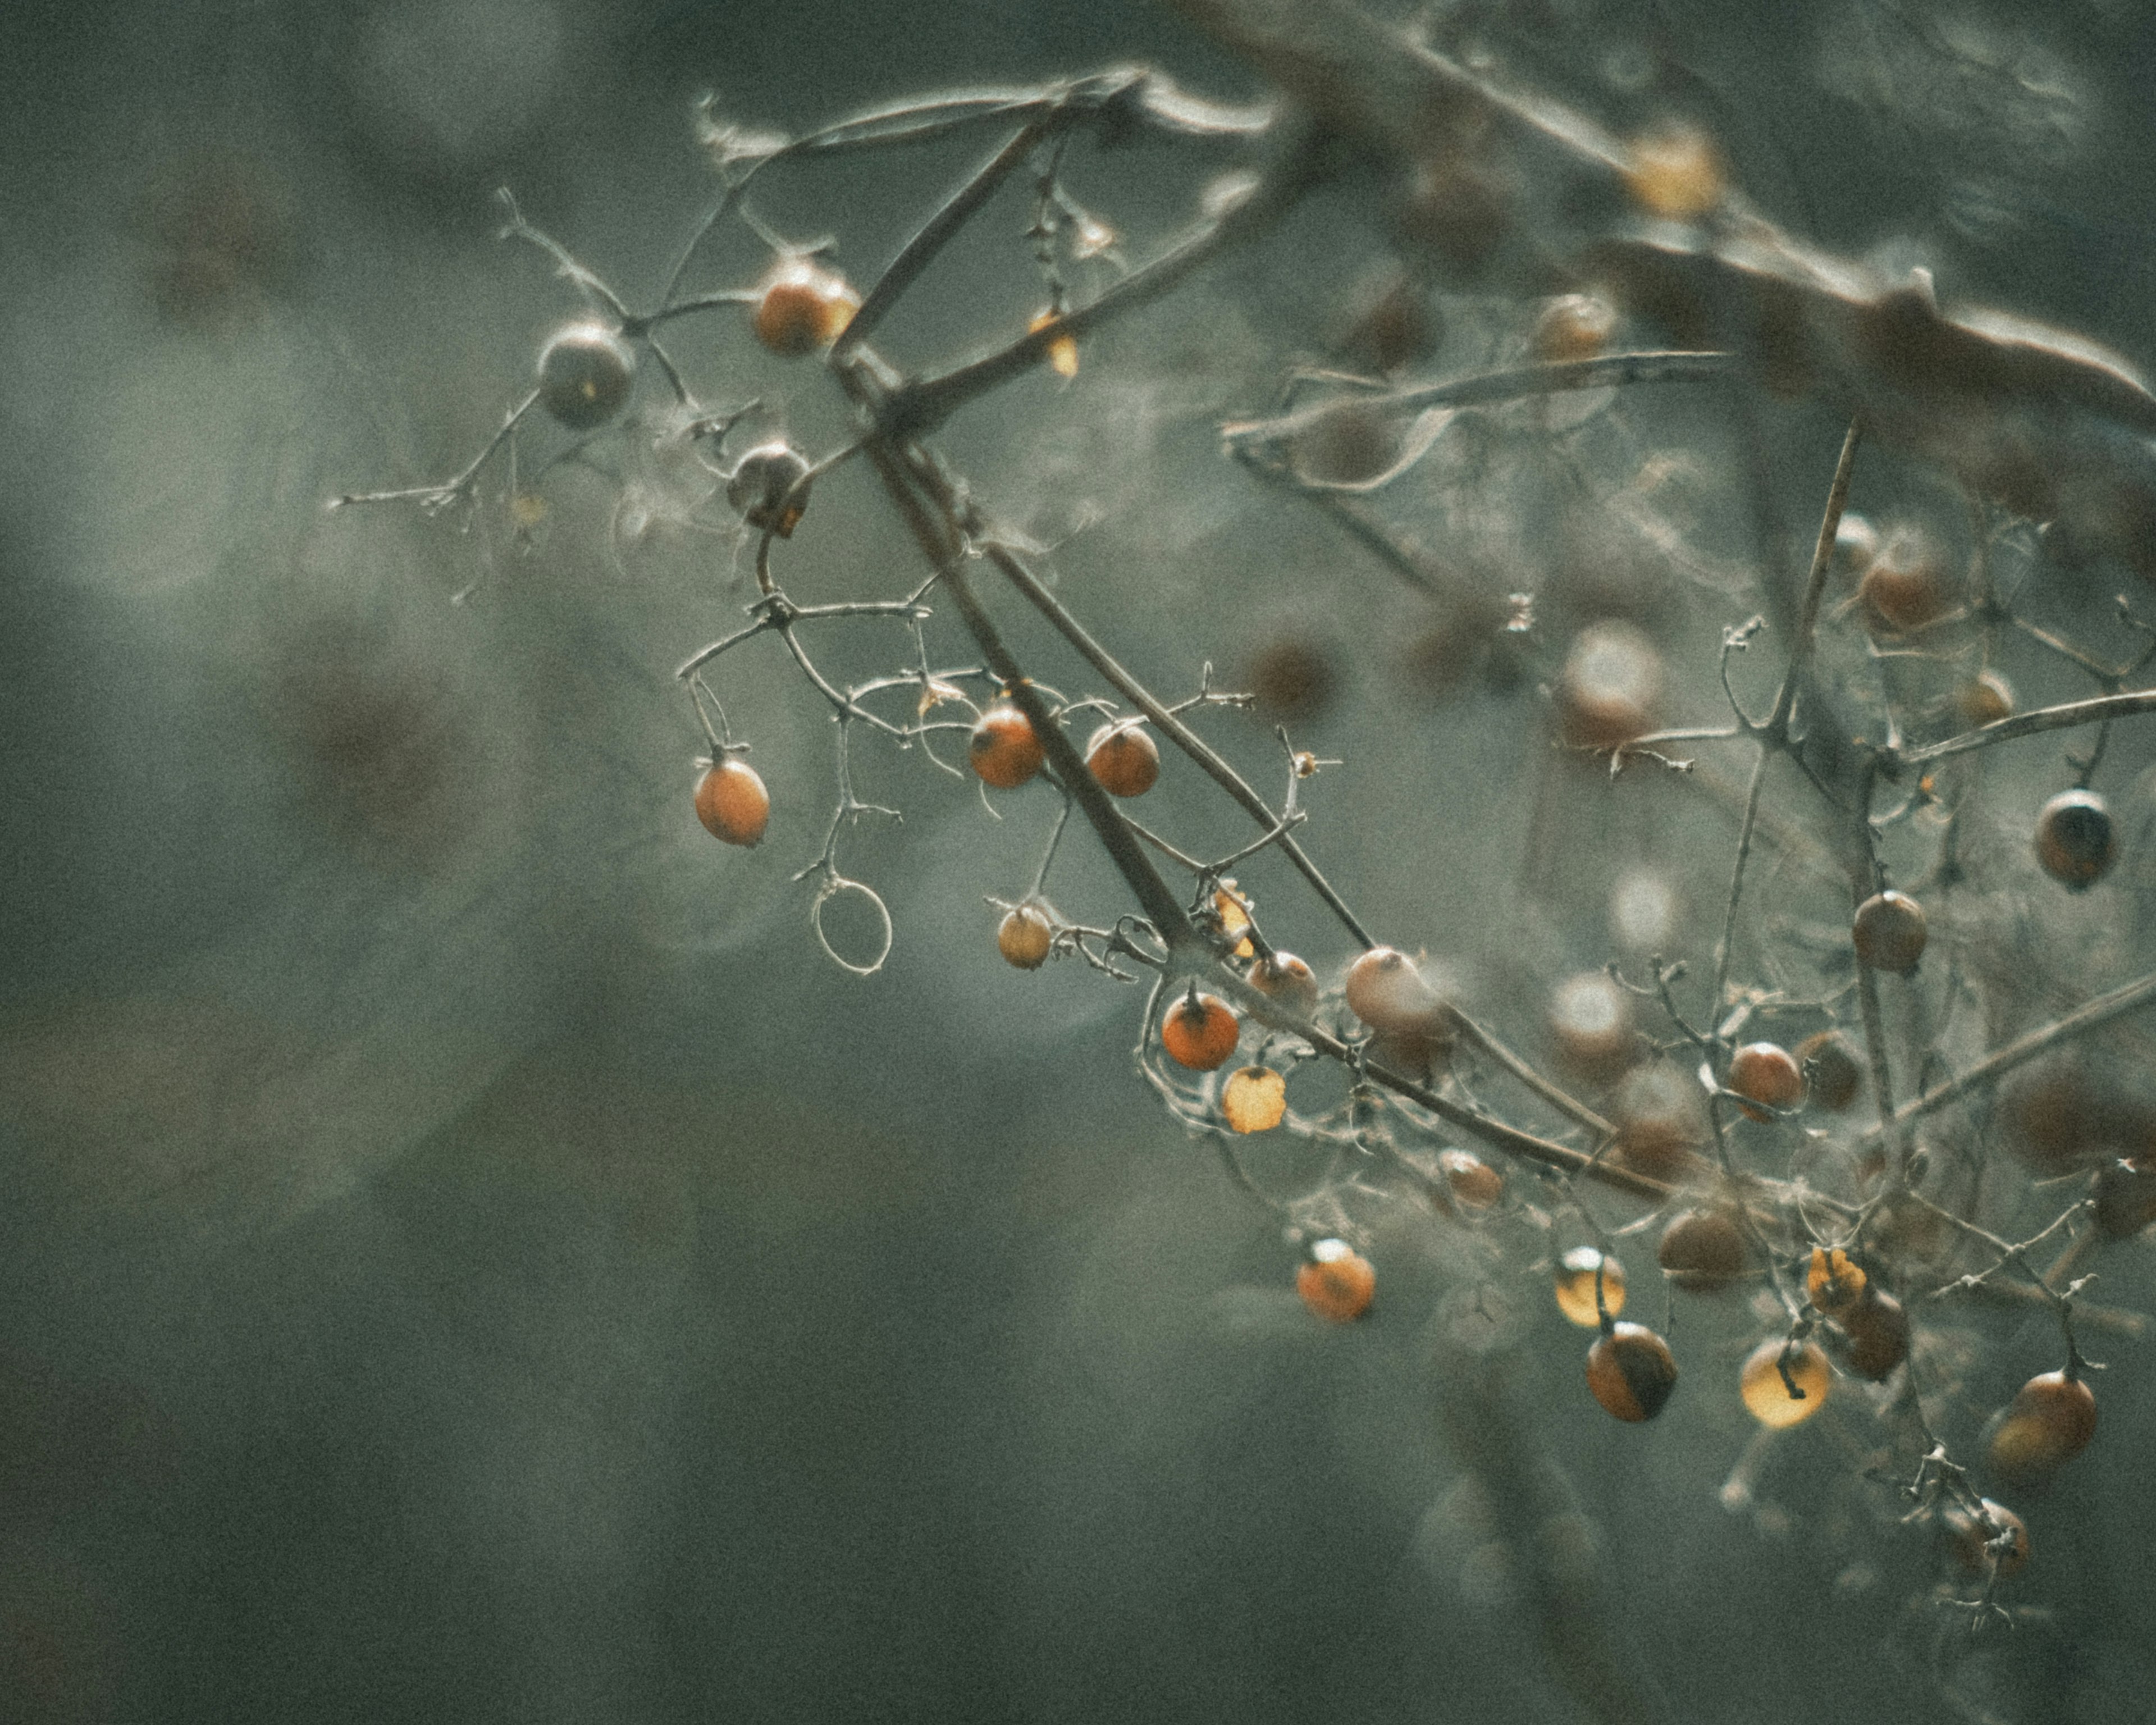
(436, 497)
(1169, 726)
(1567, 1105)
(2100, 710)
(1774, 734)
(2012, 1252)
(2129, 997)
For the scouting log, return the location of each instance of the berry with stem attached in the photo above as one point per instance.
(732, 802)
(1199, 1031)
(1005, 749)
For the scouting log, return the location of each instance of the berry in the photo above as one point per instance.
(1337, 1281)
(2049, 1421)
(1985, 700)
(1591, 1018)
(1702, 1252)
(1575, 1287)
(732, 802)
(1878, 1331)
(1973, 1545)
(1660, 1120)
(1254, 1099)
(1906, 586)
(1199, 1031)
(1675, 172)
(1006, 750)
(1232, 916)
(1574, 326)
(1609, 687)
(1833, 1075)
(802, 307)
(1834, 1283)
(1475, 1185)
(1632, 1372)
(1767, 1073)
(1023, 937)
(1889, 933)
(1287, 979)
(2076, 841)
(1124, 758)
(585, 375)
(1766, 1393)
(1062, 352)
(1388, 993)
(763, 484)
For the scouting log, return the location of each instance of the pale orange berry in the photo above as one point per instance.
(1766, 1393)
(1575, 1286)
(1337, 1281)
(1254, 1099)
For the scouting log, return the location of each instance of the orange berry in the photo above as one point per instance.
(1386, 991)
(1632, 1372)
(732, 802)
(2050, 1419)
(1833, 1075)
(1906, 586)
(1199, 1031)
(1575, 1286)
(1006, 750)
(1973, 1545)
(1124, 758)
(1766, 1393)
(1591, 1018)
(1475, 1185)
(802, 307)
(1702, 1252)
(2075, 839)
(1234, 917)
(1023, 937)
(585, 374)
(1661, 1119)
(1609, 687)
(1287, 979)
(1675, 172)
(1062, 352)
(1254, 1099)
(1574, 326)
(1834, 1283)
(1337, 1281)
(1878, 1331)
(1767, 1073)
(1889, 933)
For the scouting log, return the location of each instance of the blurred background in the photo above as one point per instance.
(466, 1255)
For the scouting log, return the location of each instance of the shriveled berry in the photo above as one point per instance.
(1834, 1283)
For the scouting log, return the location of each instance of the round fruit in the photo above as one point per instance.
(1834, 1283)
(1972, 1543)
(1889, 933)
(802, 307)
(1254, 1099)
(1833, 1074)
(2050, 1419)
(1630, 1371)
(1702, 1252)
(1062, 351)
(1006, 750)
(1287, 979)
(1609, 687)
(1125, 760)
(1878, 1331)
(1387, 992)
(1767, 1395)
(1767, 1073)
(2075, 839)
(1575, 326)
(585, 374)
(1575, 1287)
(763, 485)
(1985, 700)
(1906, 587)
(1337, 1281)
(1675, 172)
(1475, 1185)
(1591, 1019)
(1659, 1120)
(1023, 937)
(1199, 1031)
(732, 802)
